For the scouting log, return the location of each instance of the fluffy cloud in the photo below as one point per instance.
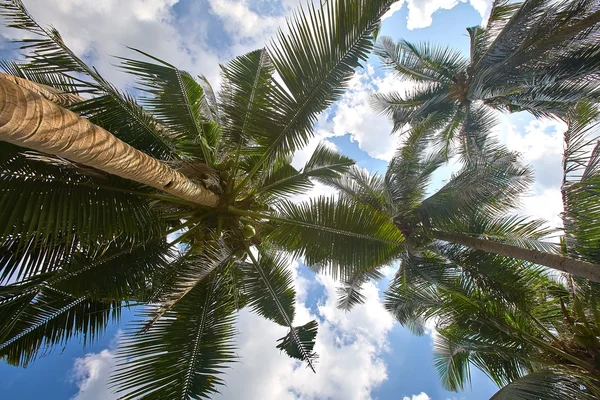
(98, 30)
(420, 12)
(91, 374)
(350, 348)
(355, 116)
(540, 142)
(420, 396)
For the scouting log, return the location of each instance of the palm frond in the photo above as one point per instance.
(452, 364)
(421, 62)
(51, 319)
(430, 101)
(315, 61)
(270, 294)
(349, 294)
(324, 163)
(409, 172)
(341, 236)
(245, 91)
(547, 385)
(183, 353)
(49, 205)
(484, 186)
(179, 103)
(357, 185)
(300, 341)
(515, 230)
(268, 286)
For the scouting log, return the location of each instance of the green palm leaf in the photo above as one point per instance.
(183, 353)
(341, 236)
(323, 164)
(315, 66)
(545, 385)
(270, 294)
(179, 103)
(420, 62)
(349, 294)
(49, 205)
(52, 318)
(300, 341)
(245, 101)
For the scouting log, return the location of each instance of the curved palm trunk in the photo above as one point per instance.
(575, 267)
(49, 93)
(29, 120)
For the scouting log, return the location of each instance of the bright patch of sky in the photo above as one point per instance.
(363, 354)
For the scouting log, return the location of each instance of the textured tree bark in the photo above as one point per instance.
(49, 93)
(29, 120)
(573, 266)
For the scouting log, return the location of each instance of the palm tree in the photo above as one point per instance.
(539, 56)
(542, 343)
(523, 325)
(471, 210)
(176, 200)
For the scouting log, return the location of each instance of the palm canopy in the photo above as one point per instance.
(78, 244)
(516, 321)
(539, 56)
(475, 201)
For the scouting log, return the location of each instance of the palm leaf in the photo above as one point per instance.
(357, 185)
(183, 353)
(268, 286)
(349, 294)
(52, 318)
(245, 96)
(485, 185)
(270, 294)
(452, 364)
(315, 61)
(300, 341)
(324, 163)
(421, 61)
(546, 385)
(49, 205)
(341, 236)
(178, 102)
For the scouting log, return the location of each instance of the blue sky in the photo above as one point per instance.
(364, 354)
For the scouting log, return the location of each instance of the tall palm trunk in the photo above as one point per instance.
(29, 120)
(575, 267)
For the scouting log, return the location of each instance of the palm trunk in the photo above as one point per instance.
(49, 93)
(29, 120)
(575, 267)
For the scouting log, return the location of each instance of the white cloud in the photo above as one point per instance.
(540, 142)
(354, 115)
(420, 396)
(91, 374)
(420, 12)
(349, 347)
(98, 30)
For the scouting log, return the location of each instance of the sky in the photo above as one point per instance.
(364, 354)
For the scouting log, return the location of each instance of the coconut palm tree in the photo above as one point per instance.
(539, 56)
(177, 200)
(540, 344)
(472, 209)
(527, 328)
